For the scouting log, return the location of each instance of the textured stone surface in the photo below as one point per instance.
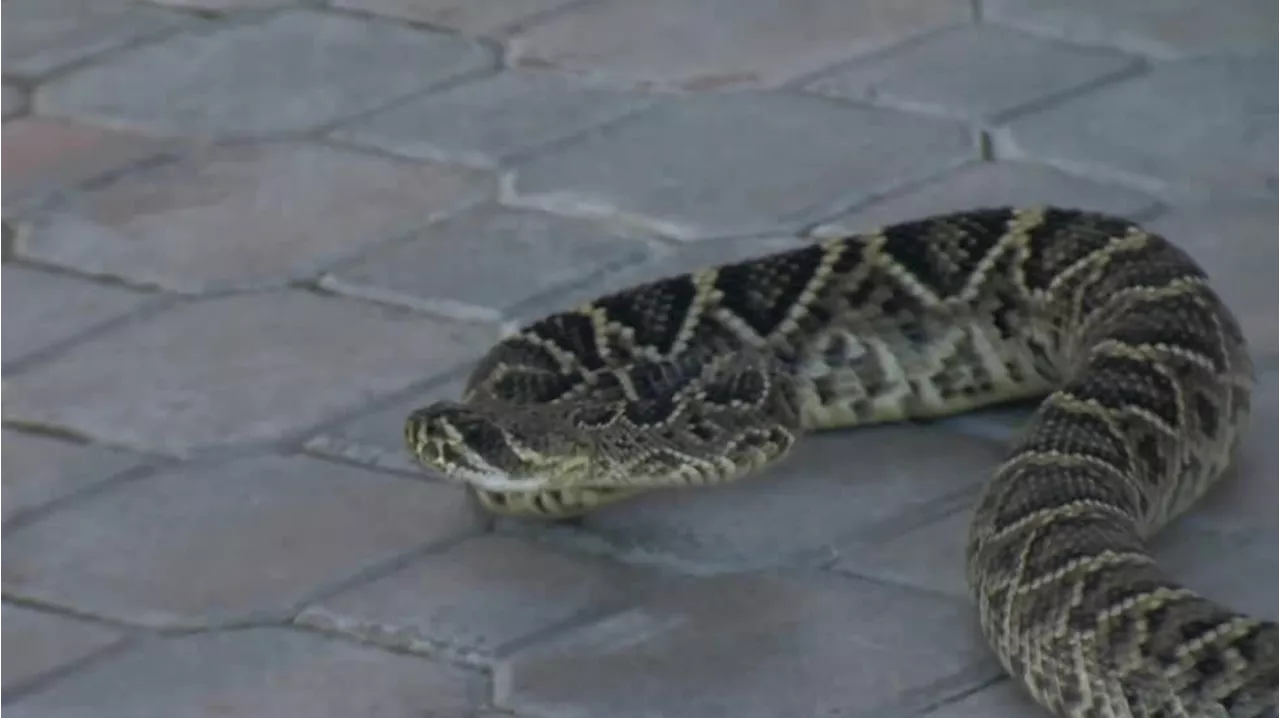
(246, 216)
(473, 599)
(322, 68)
(1001, 699)
(248, 367)
(259, 672)
(1162, 28)
(472, 18)
(487, 121)
(973, 72)
(444, 268)
(668, 166)
(1234, 568)
(44, 35)
(769, 645)
(210, 544)
(15, 101)
(753, 43)
(42, 309)
(1140, 129)
(38, 643)
(38, 469)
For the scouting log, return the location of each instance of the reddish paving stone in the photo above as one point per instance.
(247, 216)
(472, 18)
(247, 368)
(258, 672)
(38, 643)
(38, 470)
(206, 545)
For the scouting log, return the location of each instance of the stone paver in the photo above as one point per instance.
(715, 44)
(293, 71)
(486, 122)
(472, 18)
(39, 643)
(247, 216)
(1002, 699)
(39, 469)
(260, 672)
(208, 545)
(277, 360)
(668, 166)
(972, 72)
(15, 101)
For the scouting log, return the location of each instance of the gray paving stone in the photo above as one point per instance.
(201, 223)
(38, 469)
(258, 672)
(248, 368)
(1237, 569)
(485, 122)
(770, 646)
(753, 43)
(39, 643)
(322, 68)
(452, 267)
(472, 18)
(1237, 245)
(206, 545)
(44, 35)
(924, 554)
(667, 166)
(42, 309)
(1002, 700)
(15, 101)
(990, 184)
(1140, 130)
(975, 72)
(1160, 28)
(474, 599)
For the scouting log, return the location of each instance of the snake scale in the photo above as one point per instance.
(706, 377)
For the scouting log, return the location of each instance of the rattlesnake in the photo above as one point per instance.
(705, 377)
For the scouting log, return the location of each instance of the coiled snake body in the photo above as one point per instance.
(705, 377)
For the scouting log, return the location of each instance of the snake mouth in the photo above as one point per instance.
(500, 482)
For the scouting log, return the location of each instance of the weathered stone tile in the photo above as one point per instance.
(322, 68)
(247, 368)
(258, 672)
(1161, 28)
(485, 122)
(206, 545)
(924, 553)
(770, 646)
(1237, 569)
(1140, 130)
(668, 165)
(486, 263)
(246, 216)
(1002, 700)
(15, 101)
(38, 470)
(475, 598)
(753, 43)
(44, 35)
(990, 184)
(472, 18)
(45, 154)
(42, 309)
(975, 72)
(38, 643)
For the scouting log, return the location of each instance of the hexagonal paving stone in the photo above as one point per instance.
(43, 309)
(1162, 28)
(474, 600)
(472, 18)
(751, 162)
(1140, 129)
(974, 72)
(753, 43)
(259, 672)
(754, 645)
(322, 68)
(484, 123)
(211, 544)
(38, 469)
(235, 369)
(484, 264)
(40, 643)
(44, 35)
(246, 216)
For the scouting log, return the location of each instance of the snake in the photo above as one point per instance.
(1142, 373)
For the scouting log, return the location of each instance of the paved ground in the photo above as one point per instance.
(245, 237)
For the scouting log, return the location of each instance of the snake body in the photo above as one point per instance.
(706, 377)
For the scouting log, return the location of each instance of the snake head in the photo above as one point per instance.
(481, 447)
